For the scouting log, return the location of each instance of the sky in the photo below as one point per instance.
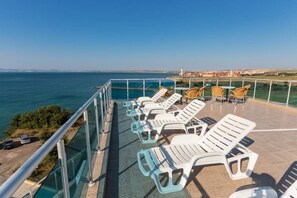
(148, 34)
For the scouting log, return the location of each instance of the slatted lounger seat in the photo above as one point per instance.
(167, 121)
(186, 151)
(153, 108)
(141, 101)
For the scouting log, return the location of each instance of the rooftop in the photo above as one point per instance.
(276, 148)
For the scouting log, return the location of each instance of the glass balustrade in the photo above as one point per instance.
(279, 92)
(293, 95)
(262, 90)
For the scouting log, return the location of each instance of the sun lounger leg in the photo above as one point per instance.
(238, 160)
(158, 177)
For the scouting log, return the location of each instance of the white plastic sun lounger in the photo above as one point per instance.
(289, 189)
(141, 101)
(167, 121)
(186, 151)
(264, 192)
(153, 108)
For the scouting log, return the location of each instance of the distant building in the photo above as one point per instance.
(181, 72)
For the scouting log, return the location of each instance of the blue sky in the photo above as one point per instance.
(148, 34)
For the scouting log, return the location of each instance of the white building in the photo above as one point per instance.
(181, 72)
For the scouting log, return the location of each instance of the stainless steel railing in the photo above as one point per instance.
(283, 92)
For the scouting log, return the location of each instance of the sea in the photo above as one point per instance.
(26, 91)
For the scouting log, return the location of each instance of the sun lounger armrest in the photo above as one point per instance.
(165, 116)
(140, 99)
(185, 139)
(140, 165)
(152, 105)
(159, 109)
(144, 102)
(177, 125)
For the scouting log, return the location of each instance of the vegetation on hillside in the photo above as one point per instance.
(44, 118)
(42, 123)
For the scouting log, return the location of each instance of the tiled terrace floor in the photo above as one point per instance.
(277, 153)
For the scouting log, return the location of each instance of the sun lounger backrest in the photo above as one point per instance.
(226, 134)
(291, 192)
(159, 94)
(189, 112)
(288, 183)
(170, 101)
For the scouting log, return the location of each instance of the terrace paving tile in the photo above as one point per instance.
(276, 150)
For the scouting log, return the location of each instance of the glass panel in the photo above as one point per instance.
(236, 83)
(119, 89)
(93, 132)
(224, 82)
(77, 170)
(168, 84)
(209, 83)
(250, 92)
(151, 87)
(135, 89)
(196, 83)
(279, 92)
(293, 95)
(182, 82)
(262, 90)
(52, 186)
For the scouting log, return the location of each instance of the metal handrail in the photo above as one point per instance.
(14, 182)
(228, 78)
(119, 79)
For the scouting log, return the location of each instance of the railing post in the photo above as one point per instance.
(269, 92)
(97, 124)
(106, 101)
(143, 87)
(87, 129)
(160, 83)
(63, 163)
(127, 89)
(255, 87)
(189, 83)
(230, 82)
(174, 86)
(288, 96)
(107, 96)
(103, 103)
(217, 82)
(110, 91)
(203, 81)
(102, 113)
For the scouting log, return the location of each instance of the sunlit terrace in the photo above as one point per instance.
(113, 162)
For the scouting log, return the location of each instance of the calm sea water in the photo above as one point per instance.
(21, 92)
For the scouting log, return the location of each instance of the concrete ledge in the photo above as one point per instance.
(101, 161)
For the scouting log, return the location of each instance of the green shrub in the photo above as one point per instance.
(44, 117)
